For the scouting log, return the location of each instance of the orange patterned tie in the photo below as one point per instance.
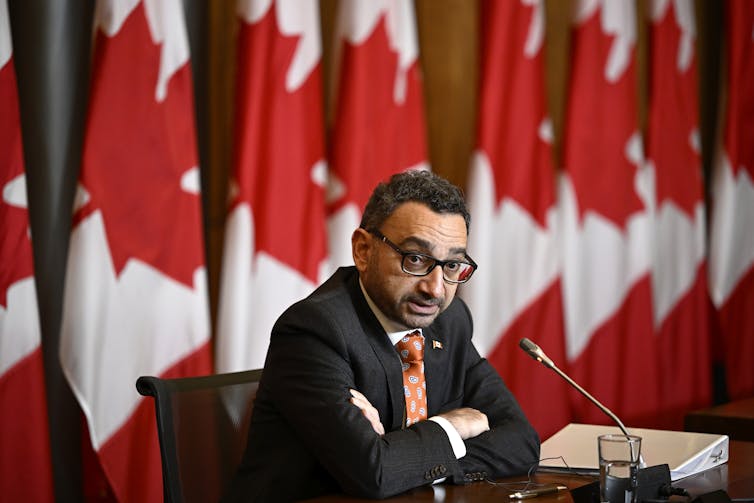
(411, 351)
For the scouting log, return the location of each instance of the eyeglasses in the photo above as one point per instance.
(420, 264)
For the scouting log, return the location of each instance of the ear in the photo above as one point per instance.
(361, 248)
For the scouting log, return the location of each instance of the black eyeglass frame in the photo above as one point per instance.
(435, 261)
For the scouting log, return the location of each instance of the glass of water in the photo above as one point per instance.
(619, 465)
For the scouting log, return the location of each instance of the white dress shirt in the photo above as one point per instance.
(395, 335)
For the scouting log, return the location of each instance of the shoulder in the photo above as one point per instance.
(332, 323)
(336, 302)
(337, 289)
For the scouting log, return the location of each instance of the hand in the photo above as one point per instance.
(370, 412)
(468, 422)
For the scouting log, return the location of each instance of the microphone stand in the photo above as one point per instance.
(536, 352)
(591, 398)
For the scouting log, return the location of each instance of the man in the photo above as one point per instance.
(335, 409)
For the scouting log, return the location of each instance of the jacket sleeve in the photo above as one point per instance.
(511, 446)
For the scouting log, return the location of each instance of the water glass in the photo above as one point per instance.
(619, 465)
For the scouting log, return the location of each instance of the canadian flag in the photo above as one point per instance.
(731, 261)
(135, 299)
(275, 237)
(679, 276)
(512, 201)
(379, 124)
(25, 469)
(607, 196)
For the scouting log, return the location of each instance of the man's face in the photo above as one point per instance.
(410, 301)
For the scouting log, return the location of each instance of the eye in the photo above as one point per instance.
(415, 263)
(415, 259)
(452, 266)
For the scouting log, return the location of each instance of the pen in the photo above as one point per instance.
(540, 491)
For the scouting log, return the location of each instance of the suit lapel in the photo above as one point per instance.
(385, 352)
(392, 364)
(435, 365)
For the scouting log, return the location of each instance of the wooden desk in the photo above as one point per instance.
(735, 419)
(736, 477)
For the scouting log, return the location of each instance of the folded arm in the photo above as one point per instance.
(310, 377)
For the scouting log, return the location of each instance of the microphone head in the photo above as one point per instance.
(528, 346)
(535, 352)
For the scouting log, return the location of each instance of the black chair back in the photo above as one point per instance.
(202, 424)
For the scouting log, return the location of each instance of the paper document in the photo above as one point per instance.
(684, 452)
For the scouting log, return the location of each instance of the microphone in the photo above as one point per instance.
(651, 481)
(536, 352)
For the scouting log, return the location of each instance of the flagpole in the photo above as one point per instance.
(52, 43)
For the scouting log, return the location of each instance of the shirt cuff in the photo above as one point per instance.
(456, 442)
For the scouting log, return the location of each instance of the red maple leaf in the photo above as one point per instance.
(136, 151)
(16, 261)
(739, 123)
(512, 91)
(279, 138)
(374, 136)
(673, 117)
(600, 120)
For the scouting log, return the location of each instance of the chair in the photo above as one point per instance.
(202, 423)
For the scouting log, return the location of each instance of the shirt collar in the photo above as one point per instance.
(391, 329)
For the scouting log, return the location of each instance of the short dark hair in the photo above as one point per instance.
(419, 186)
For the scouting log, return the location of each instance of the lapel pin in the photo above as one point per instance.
(436, 344)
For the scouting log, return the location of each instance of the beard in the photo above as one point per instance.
(413, 310)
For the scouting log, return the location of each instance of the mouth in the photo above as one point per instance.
(424, 307)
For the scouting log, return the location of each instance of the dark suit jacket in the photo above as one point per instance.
(307, 439)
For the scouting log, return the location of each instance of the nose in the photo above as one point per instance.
(434, 283)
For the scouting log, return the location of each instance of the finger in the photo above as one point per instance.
(359, 396)
(374, 419)
(369, 411)
(360, 401)
(360, 405)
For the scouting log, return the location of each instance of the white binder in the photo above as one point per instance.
(684, 452)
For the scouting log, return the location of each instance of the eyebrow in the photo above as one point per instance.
(423, 243)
